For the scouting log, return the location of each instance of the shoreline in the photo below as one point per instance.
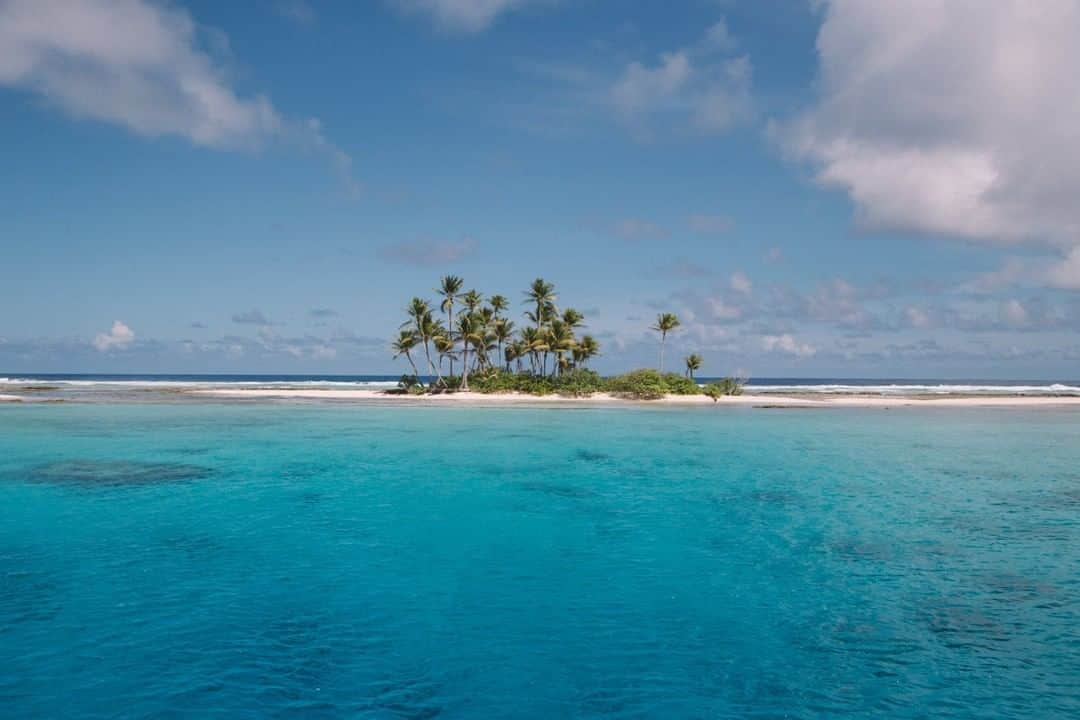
(606, 399)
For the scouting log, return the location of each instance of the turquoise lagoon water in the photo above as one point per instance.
(270, 560)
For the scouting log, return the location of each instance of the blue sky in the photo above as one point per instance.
(830, 188)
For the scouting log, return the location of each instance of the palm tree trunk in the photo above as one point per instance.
(435, 370)
(465, 366)
(450, 330)
(415, 372)
(663, 340)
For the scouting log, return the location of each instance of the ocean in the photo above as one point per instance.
(271, 560)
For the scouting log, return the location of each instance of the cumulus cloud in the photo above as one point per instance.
(145, 66)
(427, 253)
(466, 16)
(955, 118)
(119, 337)
(787, 344)
(741, 283)
(322, 313)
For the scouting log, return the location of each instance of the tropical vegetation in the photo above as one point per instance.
(549, 353)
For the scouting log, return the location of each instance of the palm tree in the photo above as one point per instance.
(472, 300)
(499, 303)
(471, 333)
(665, 323)
(542, 294)
(586, 349)
(693, 362)
(444, 345)
(573, 318)
(560, 340)
(514, 352)
(504, 331)
(424, 326)
(449, 288)
(530, 339)
(403, 345)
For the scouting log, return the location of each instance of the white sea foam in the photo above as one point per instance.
(919, 389)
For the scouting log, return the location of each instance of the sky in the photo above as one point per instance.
(818, 188)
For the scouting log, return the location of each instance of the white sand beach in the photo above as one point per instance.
(469, 398)
(10, 398)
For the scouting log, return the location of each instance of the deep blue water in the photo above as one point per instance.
(417, 562)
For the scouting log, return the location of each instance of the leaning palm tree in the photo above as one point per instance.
(449, 288)
(665, 323)
(693, 363)
(403, 345)
(541, 294)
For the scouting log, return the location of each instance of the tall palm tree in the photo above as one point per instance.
(541, 294)
(498, 303)
(665, 323)
(449, 288)
(403, 345)
(419, 314)
(530, 339)
(560, 340)
(471, 333)
(472, 300)
(504, 331)
(693, 363)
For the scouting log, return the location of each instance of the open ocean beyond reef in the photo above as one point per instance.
(239, 560)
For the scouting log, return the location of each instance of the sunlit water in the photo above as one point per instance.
(418, 562)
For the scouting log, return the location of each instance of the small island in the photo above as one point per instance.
(545, 356)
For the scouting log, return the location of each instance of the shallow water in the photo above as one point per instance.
(410, 562)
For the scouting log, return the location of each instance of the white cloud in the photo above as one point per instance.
(787, 344)
(954, 118)
(718, 37)
(712, 93)
(467, 16)
(120, 336)
(641, 88)
(741, 283)
(144, 66)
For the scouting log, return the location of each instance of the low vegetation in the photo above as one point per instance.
(545, 356)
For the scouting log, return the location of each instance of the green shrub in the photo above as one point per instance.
(727, 386)
(638, 384)
(680, 384)
(578, 383)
